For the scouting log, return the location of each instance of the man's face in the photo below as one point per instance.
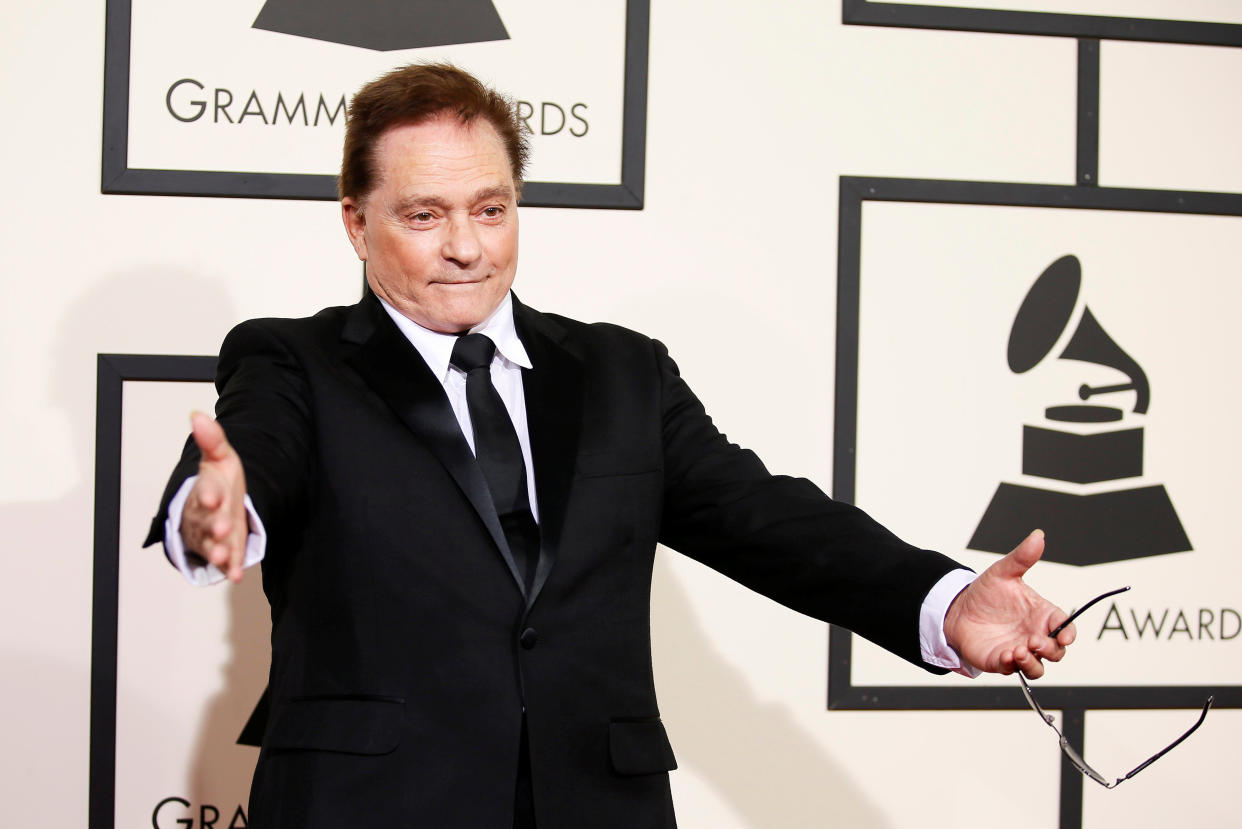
(439, 231)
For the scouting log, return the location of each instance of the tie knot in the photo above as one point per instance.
(473, 351)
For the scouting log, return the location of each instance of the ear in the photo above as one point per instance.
(355, 225)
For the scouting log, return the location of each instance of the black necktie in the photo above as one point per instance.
(497, 450)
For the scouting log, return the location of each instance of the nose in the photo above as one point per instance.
(461, 242)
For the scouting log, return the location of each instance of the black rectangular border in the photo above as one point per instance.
(854, 192)
(112, 370)
(1001, 21)
(117, 177)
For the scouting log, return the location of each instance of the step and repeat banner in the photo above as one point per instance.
(1008, 356)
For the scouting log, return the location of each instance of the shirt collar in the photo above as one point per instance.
(437, 349)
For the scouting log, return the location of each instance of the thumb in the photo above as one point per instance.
(209, 435)
(1021, 558)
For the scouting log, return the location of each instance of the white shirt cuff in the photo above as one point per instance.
(932, 643)
(198, 572)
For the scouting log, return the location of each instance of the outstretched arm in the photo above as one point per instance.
(999, 624)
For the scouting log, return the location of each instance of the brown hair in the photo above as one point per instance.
(416, 93)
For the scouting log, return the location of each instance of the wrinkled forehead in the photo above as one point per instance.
(441, 151)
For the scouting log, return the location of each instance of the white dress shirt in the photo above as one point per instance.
(511, 357)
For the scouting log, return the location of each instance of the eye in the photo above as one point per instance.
(421, 216)
(492, 212)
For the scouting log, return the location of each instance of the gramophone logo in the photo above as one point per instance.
(385, 25)
(1096, 507)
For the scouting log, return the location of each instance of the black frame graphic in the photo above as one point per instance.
(112, 371)
(1073, 702)
(117, 177)
(855, 191)
(1003, 21)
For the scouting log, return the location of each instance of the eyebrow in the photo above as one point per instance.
(499, 191)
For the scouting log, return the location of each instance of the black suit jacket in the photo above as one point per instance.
(404, 648)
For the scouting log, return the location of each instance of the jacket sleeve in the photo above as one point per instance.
(783, 537)
(265, 410)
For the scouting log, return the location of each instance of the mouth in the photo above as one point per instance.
(453, 282)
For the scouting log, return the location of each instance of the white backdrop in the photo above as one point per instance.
(754, 111)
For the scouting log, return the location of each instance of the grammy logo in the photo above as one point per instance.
(1082, 444)
(385, 25)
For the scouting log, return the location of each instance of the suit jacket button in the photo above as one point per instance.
(529, 638)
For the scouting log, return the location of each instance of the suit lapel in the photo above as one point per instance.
(553, 392)
(395, 371)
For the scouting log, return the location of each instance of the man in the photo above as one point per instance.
(457, 544)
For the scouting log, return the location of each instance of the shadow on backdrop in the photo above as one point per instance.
(142, 311)
(757, 758)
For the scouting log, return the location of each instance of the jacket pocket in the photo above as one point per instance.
(346, 724)
(640, 747)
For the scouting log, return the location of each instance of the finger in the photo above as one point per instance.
(212, 551)
(223, 548)
(1052, 655)
(1006, 664)
(1021, 558)
(1056, 618)
(221, 528)
(209, 436)
(1048, 649)
(237, 552)
(208, 493)
(196, 527)
(1029, 663)
(206, 525)
(225, 534)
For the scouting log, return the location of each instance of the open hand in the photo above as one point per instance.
(213, 524)
(999, 624)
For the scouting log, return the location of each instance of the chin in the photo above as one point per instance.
(463, 316)
(473, 306)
